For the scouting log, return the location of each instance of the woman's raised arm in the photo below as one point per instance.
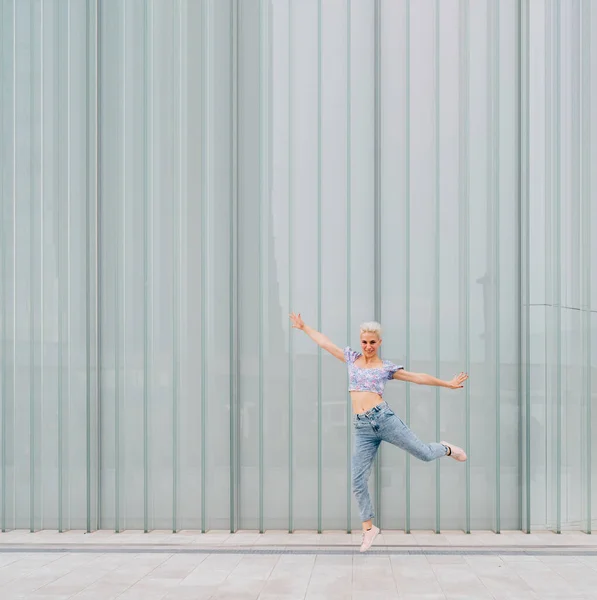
(317, 337)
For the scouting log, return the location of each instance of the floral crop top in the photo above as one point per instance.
(367, 380)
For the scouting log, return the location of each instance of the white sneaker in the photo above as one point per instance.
(455, 452)
(368, 537)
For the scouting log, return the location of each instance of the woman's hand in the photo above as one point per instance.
(320, 339)
(297, 321)
(457, 382)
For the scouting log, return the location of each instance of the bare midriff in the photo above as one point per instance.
(364, 401)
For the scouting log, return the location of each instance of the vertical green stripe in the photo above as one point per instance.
(526, 201)
(14, 233)
(467, 259)
(88, 70)
(95, 71)
(232, 263)
(32, 278)
(495, 132)
(557, 266)
(41, 219)
(571, 132)
(69, 256)
(176, 254)
(148, 198)
(319, 290)
(262, 214)
(493, 230)
(261, 259)
(348, 254)
(464, 167)
(60, 275)
(548, 176)
(120, 248)
(521, 252)
(523, 119)
(575, 64)
(234, 378)
(377, 217)
(586, 230)
(290, 272)
(238, 199)
(437, 262)
(3, 281)
(98, 282)
(204, 247)
(407, 245)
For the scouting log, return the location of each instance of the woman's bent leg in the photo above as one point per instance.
(393, 430)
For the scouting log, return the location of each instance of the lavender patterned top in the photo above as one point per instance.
(367, 380)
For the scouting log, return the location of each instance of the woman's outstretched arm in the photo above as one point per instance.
(424, 379)
(317, 337)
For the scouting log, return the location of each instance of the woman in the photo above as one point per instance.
(373, 419)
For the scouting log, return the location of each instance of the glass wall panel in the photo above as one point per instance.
(176, 176)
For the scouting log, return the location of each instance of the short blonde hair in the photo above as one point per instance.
(371, 327)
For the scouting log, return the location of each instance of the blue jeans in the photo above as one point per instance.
(370, 429)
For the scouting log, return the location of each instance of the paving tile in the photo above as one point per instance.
(423, 596)
(107, 575)
(330, 595)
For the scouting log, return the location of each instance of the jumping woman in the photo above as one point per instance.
(373, 419)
